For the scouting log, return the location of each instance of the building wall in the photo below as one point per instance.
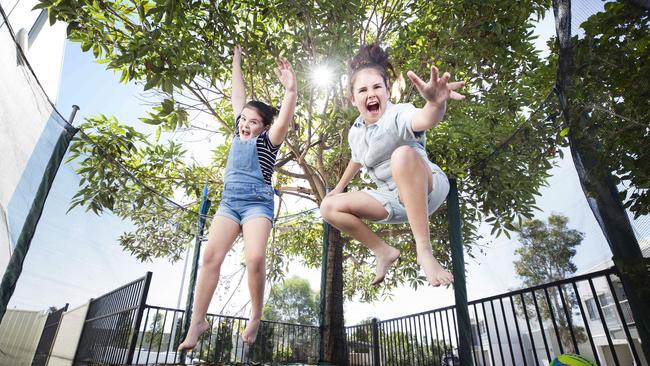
(23, 113)
(506, 343)
(67, 338)
(20, 332)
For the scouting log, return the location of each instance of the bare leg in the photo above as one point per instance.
(220, 240)
(345, 212)
(414, 182)
(256, 235)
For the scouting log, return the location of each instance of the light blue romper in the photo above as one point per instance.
(245, 194)
(372, 147)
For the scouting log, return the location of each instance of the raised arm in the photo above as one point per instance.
(278, 130)
(238, 97)
(436, 92)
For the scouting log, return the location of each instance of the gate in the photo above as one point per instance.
(111, 327)
(47, 337)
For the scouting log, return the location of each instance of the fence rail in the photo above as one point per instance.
(587, 314)
(159, 336)
(111, 323)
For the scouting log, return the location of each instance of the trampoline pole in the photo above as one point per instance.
(205, 206)
(458, 262)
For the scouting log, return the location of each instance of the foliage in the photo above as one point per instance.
(181, 50)
(363, 331)
(547, 251)
(610, 62)
(219, 339)
(546, 256)
(153, 338)
(262, 349)
(293, 302)
(430, 352)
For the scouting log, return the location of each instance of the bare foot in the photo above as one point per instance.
(193, 335)
(436, 275)
(384, 262)
(250, 333)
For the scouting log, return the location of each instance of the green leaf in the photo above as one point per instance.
(564, 132)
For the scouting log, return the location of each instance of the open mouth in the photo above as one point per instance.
(373, 107)
(245, 133)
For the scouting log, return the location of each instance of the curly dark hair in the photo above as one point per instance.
(370, 56)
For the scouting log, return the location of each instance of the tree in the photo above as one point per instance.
(363, 331)
(402, 347)
(546, 255)
(292, 301)
(602, 114)
(154, 336)
(219, 341)
(180, 51)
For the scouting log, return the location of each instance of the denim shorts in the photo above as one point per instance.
(389, 198)
(241, 202)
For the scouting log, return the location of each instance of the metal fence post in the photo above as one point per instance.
(460, 290)
(205, 206)
(138, 317)
(375, 343)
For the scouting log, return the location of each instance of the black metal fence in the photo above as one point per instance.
(48, 335)
(108, 335)
(588, 315)
(277, 343)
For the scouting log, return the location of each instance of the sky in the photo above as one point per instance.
(75, 256)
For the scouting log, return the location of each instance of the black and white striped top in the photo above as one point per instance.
(266, 152)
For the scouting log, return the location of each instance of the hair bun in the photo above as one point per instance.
(370, 55)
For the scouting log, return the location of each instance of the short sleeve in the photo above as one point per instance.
(403, 115)
(267, 142)
(353, 156)
(352, 141)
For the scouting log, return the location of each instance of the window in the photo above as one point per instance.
(37, 26)
(620, 292)
(481, 326)
(591, 309)
(607, 306)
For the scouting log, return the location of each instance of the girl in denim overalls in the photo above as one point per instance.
(247, 199)
(388, 141)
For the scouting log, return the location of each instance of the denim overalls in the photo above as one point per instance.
(245, 194)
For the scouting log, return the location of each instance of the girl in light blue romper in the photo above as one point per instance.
(388, 141)
(247, 199)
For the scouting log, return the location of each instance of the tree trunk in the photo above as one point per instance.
(598, 186)
(335, 348)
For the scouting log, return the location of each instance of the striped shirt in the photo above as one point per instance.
(266, 153)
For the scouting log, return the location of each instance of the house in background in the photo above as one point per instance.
(613, 321)
(495, 334)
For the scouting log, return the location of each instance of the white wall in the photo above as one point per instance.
(67, 338)
(20, 332)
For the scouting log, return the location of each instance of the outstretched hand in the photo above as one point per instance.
(285, 74)
(438, 89)
(236, 55)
